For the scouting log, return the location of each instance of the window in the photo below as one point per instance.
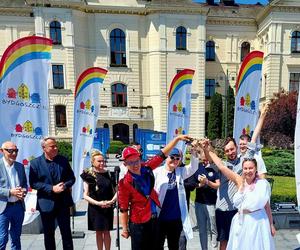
(245, 49)
(209, 88)
(55, 32)
(181, 38)
(294, 82)
(210, 51)
(295, 42)
(117, 48)
(119, 95)
(58, 76)
(60, 116)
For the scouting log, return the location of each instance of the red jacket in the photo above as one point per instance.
(131, 199)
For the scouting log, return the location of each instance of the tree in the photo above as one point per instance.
(279, 126)
(214, 127)
(230, 113)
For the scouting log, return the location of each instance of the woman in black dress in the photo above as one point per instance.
(99, 192)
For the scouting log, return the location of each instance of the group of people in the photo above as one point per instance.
(52, 176)
(231, 204)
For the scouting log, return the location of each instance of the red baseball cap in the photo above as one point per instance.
(129, 151)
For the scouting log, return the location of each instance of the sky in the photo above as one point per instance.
(240, 1)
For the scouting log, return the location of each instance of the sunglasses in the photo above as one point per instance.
(10, 150)
(175, 158)
(132, 163)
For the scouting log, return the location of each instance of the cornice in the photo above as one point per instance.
(231, 22)
(25, 12)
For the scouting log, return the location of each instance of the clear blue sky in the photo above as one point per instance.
(239, 1)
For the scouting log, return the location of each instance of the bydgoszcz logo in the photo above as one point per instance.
(178, 109)
(86, 108)
(87, 131)
(27, 130)
(247, 131)
(22, 97)
(247, 105)
(179, 131)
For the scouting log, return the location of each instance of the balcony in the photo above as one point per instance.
(126, 113)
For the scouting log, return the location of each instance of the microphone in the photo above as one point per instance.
(117, 171)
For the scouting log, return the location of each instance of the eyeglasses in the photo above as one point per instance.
(132, 163)
(11, 150)
(175, 158)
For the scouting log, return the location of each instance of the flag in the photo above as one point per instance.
(179, 105)
(86, 111)
(297, 153)
(24, 77)
(247, 95)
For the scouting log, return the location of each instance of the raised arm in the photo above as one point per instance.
(167, 149)
(260, 122)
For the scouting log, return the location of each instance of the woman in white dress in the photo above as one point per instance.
(252, 227)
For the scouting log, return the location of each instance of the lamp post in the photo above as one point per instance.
(225, 95)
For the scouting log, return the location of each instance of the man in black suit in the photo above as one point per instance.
(51, 175)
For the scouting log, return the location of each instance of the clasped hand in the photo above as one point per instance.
(18, 192)
(105, 204)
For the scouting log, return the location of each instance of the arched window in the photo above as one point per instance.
(55, 32)
(210, 51)
(245, 49)
(119, 95)
(105, 125)
(117, 48)
(295, 46)
(60, 116)
(181, 38)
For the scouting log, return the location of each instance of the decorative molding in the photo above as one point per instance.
(232, 22)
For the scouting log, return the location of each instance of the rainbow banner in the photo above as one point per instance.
(179, 105)
(24, 77)
(248, 87)
(86, 112)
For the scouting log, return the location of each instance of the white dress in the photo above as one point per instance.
(251, 231)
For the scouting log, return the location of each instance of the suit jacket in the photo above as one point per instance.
(41, 180)
(5, 186)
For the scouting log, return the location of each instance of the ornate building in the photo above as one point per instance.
(143, 44)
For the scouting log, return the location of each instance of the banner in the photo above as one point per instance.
(247, 95)
(179, 107)
(24, 77)
(297, 153)
(86, 111)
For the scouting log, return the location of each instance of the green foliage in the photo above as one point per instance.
(230, 113)
(65, 149)
(284, 189)
(116, 147)
(214, 128)
(279, 126)
(279, 162)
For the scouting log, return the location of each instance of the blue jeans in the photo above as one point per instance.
(206, 221)
(13, 215)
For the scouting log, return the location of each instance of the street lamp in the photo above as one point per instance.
(226, 76)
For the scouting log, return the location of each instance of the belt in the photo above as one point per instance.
(13, 203)
(246, 211)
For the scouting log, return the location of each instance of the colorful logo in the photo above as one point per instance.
(28, 128)
(23, 93)
(87, 106)
(87, 130)
(247, 102)
(25, 162)
(179, 108)
(179, 131)
(247, 131)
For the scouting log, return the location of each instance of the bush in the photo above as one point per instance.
(279, 162)
(65, 149)
(116, 147)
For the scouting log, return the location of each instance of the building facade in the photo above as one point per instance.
(143, 44)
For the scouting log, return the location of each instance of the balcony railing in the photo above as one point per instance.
(133, 112)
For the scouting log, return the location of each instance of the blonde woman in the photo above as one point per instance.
(99, 186)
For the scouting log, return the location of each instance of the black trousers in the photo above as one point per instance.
(170, 230)
(143, 235)
(62, 215)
